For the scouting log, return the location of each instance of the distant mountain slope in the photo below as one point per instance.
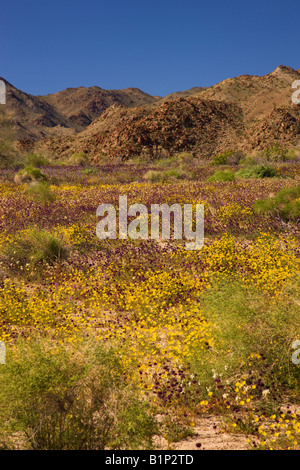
(83, 105)
(257, 96)
(66, 112)
(176, 125)
(182, 94)
(244, 113)
(32, 117)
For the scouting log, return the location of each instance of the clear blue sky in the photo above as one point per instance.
(159, 46)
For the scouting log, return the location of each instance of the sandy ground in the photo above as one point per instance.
(208, 436)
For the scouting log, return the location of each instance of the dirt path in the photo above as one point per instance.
(209, 436)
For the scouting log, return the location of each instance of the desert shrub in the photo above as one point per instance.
(256, 171)
(248, 161)
(58, 398)
(155, 176)
(33, 248)
(11, 160)
(229, 157)
(286, 204)
(293, 154)
(166, 162)
(219, 175)
(80, 158)
(177, 174)
(168, 175)
(185, 158)
(142, 159)
(91, 171)
(41, 192)
(35, 160)
(29, 174)
(275, 153)
(221, 158)
(174, 430)
(245, 324)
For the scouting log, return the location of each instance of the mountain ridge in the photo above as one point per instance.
(246, 112)
(65, 112)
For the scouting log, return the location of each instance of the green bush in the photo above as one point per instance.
(219, 175)
(185, 158)
(33, 248)
(35, 160)
(222, 158)
(29, 174)
(168, 175)
(276, 153)
(256, 171)
(80, 159)
(177, 174)
(41, 192)
(54, 397)
(91, 171)
(245, 321)
(248, 161)
(286, 204)
(166, 162)
(229, 157)
(155, 176)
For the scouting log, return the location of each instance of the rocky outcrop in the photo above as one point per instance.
(241, 113)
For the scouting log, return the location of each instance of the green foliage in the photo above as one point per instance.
(166, 162)
(29, 174)
(36, 247)
(156, 176)
(58, 398)
(134, 427)
(248, 161)
(34, 160)
(174, 430)
(41, 192)
(244, 322)
(80, 159)
(177, 174)
(256, 171)
(185, 158)
(286, 204)
(220, 175)
(222, 158)
(229, 157)
(275, 153)
(91, 171)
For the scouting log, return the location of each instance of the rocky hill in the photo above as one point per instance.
(257, 96)
(66, 112)
(242, 113)
(174, 126)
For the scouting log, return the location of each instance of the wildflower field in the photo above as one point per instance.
(121, 344)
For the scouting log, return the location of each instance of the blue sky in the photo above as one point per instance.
(159, 46)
